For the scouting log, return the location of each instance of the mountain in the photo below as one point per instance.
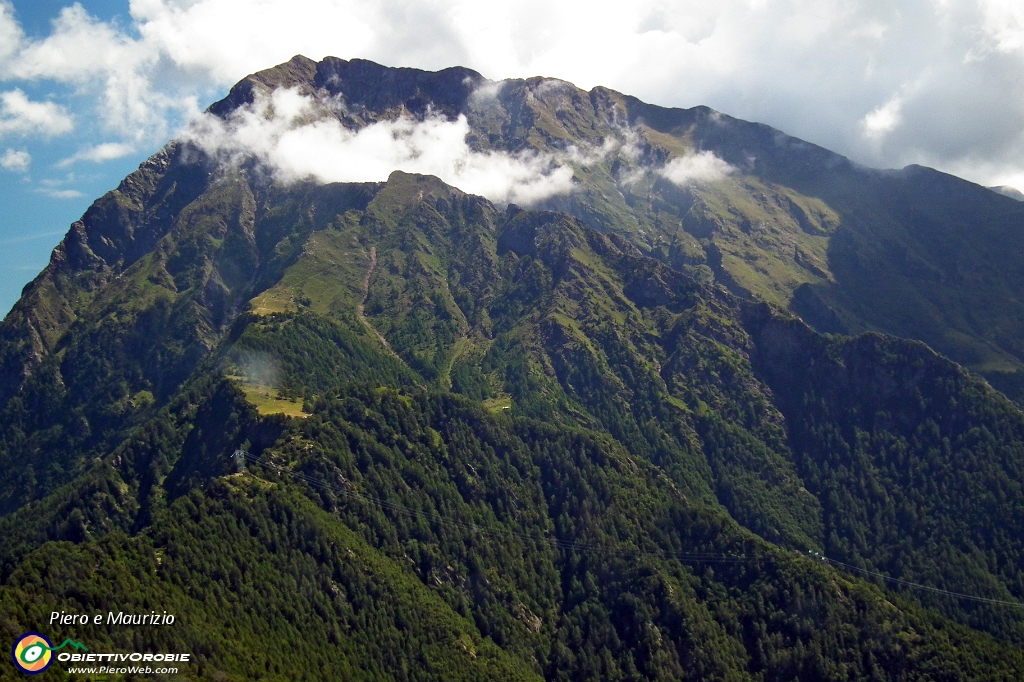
(914, 253)
(394, 430)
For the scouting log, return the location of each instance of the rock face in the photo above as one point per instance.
(402, 428)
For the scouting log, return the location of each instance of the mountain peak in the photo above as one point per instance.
(297, 72)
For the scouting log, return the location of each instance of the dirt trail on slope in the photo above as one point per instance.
(366, 294)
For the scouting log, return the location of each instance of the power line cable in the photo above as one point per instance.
(919, 586)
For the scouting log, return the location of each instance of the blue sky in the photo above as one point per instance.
(88, 90)
(38, 204)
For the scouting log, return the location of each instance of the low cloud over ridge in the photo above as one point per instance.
(696, 168)
(294, 139)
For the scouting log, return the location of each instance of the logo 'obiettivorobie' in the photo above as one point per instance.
(33, 652)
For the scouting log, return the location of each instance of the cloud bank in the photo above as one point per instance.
(285, 132)
(293, 137)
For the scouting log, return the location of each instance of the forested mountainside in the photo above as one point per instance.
(393, 431)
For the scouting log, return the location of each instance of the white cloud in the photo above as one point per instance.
(99, 153)
(10, 33)
(30, 238)
(486, 93)
(99, 58)
(15, 160)
(60, 193)
(1003, 22)
(289, 135)
(79, 48)
(227, 39)
(696, 168)
(884, 119)
(19, 115)
(589, 156)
